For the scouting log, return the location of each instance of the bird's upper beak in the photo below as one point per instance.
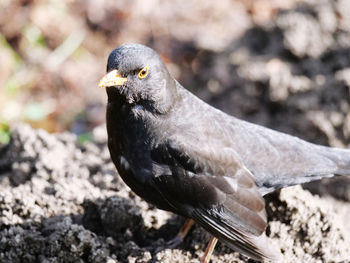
(112, 79)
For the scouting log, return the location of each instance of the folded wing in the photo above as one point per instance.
(218, 192)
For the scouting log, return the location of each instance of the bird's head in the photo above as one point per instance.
(137, 75)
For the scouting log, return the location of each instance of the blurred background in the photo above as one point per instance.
(281, 63)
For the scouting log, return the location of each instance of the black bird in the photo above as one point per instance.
(185, 156)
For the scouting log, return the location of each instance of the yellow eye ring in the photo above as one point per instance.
(143, 73)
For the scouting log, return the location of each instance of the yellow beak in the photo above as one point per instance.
(112, 79)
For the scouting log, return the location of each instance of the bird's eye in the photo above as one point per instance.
(143, 73)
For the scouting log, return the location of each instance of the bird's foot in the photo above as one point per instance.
(177, 240)
(174, 242)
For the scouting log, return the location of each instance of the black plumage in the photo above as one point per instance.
(185, 156)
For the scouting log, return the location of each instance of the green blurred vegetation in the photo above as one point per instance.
(4, 133)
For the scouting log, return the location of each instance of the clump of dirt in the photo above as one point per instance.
(312, 228)
(68, 204)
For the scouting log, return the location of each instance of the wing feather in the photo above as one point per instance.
(226, 201)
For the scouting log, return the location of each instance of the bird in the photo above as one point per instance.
(185, 156)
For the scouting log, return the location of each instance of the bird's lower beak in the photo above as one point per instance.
(112, 79)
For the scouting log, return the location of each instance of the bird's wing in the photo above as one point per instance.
(222, 198)
(271, 156)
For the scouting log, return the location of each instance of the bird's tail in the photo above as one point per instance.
(256, 247)
(341, 158)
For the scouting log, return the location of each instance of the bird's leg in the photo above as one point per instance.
(181, 234)
(209, 250)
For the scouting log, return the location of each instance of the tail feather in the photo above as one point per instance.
(341, 157)
(253, 246)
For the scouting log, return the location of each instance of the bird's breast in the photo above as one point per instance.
(129, 139)
(129, 146)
